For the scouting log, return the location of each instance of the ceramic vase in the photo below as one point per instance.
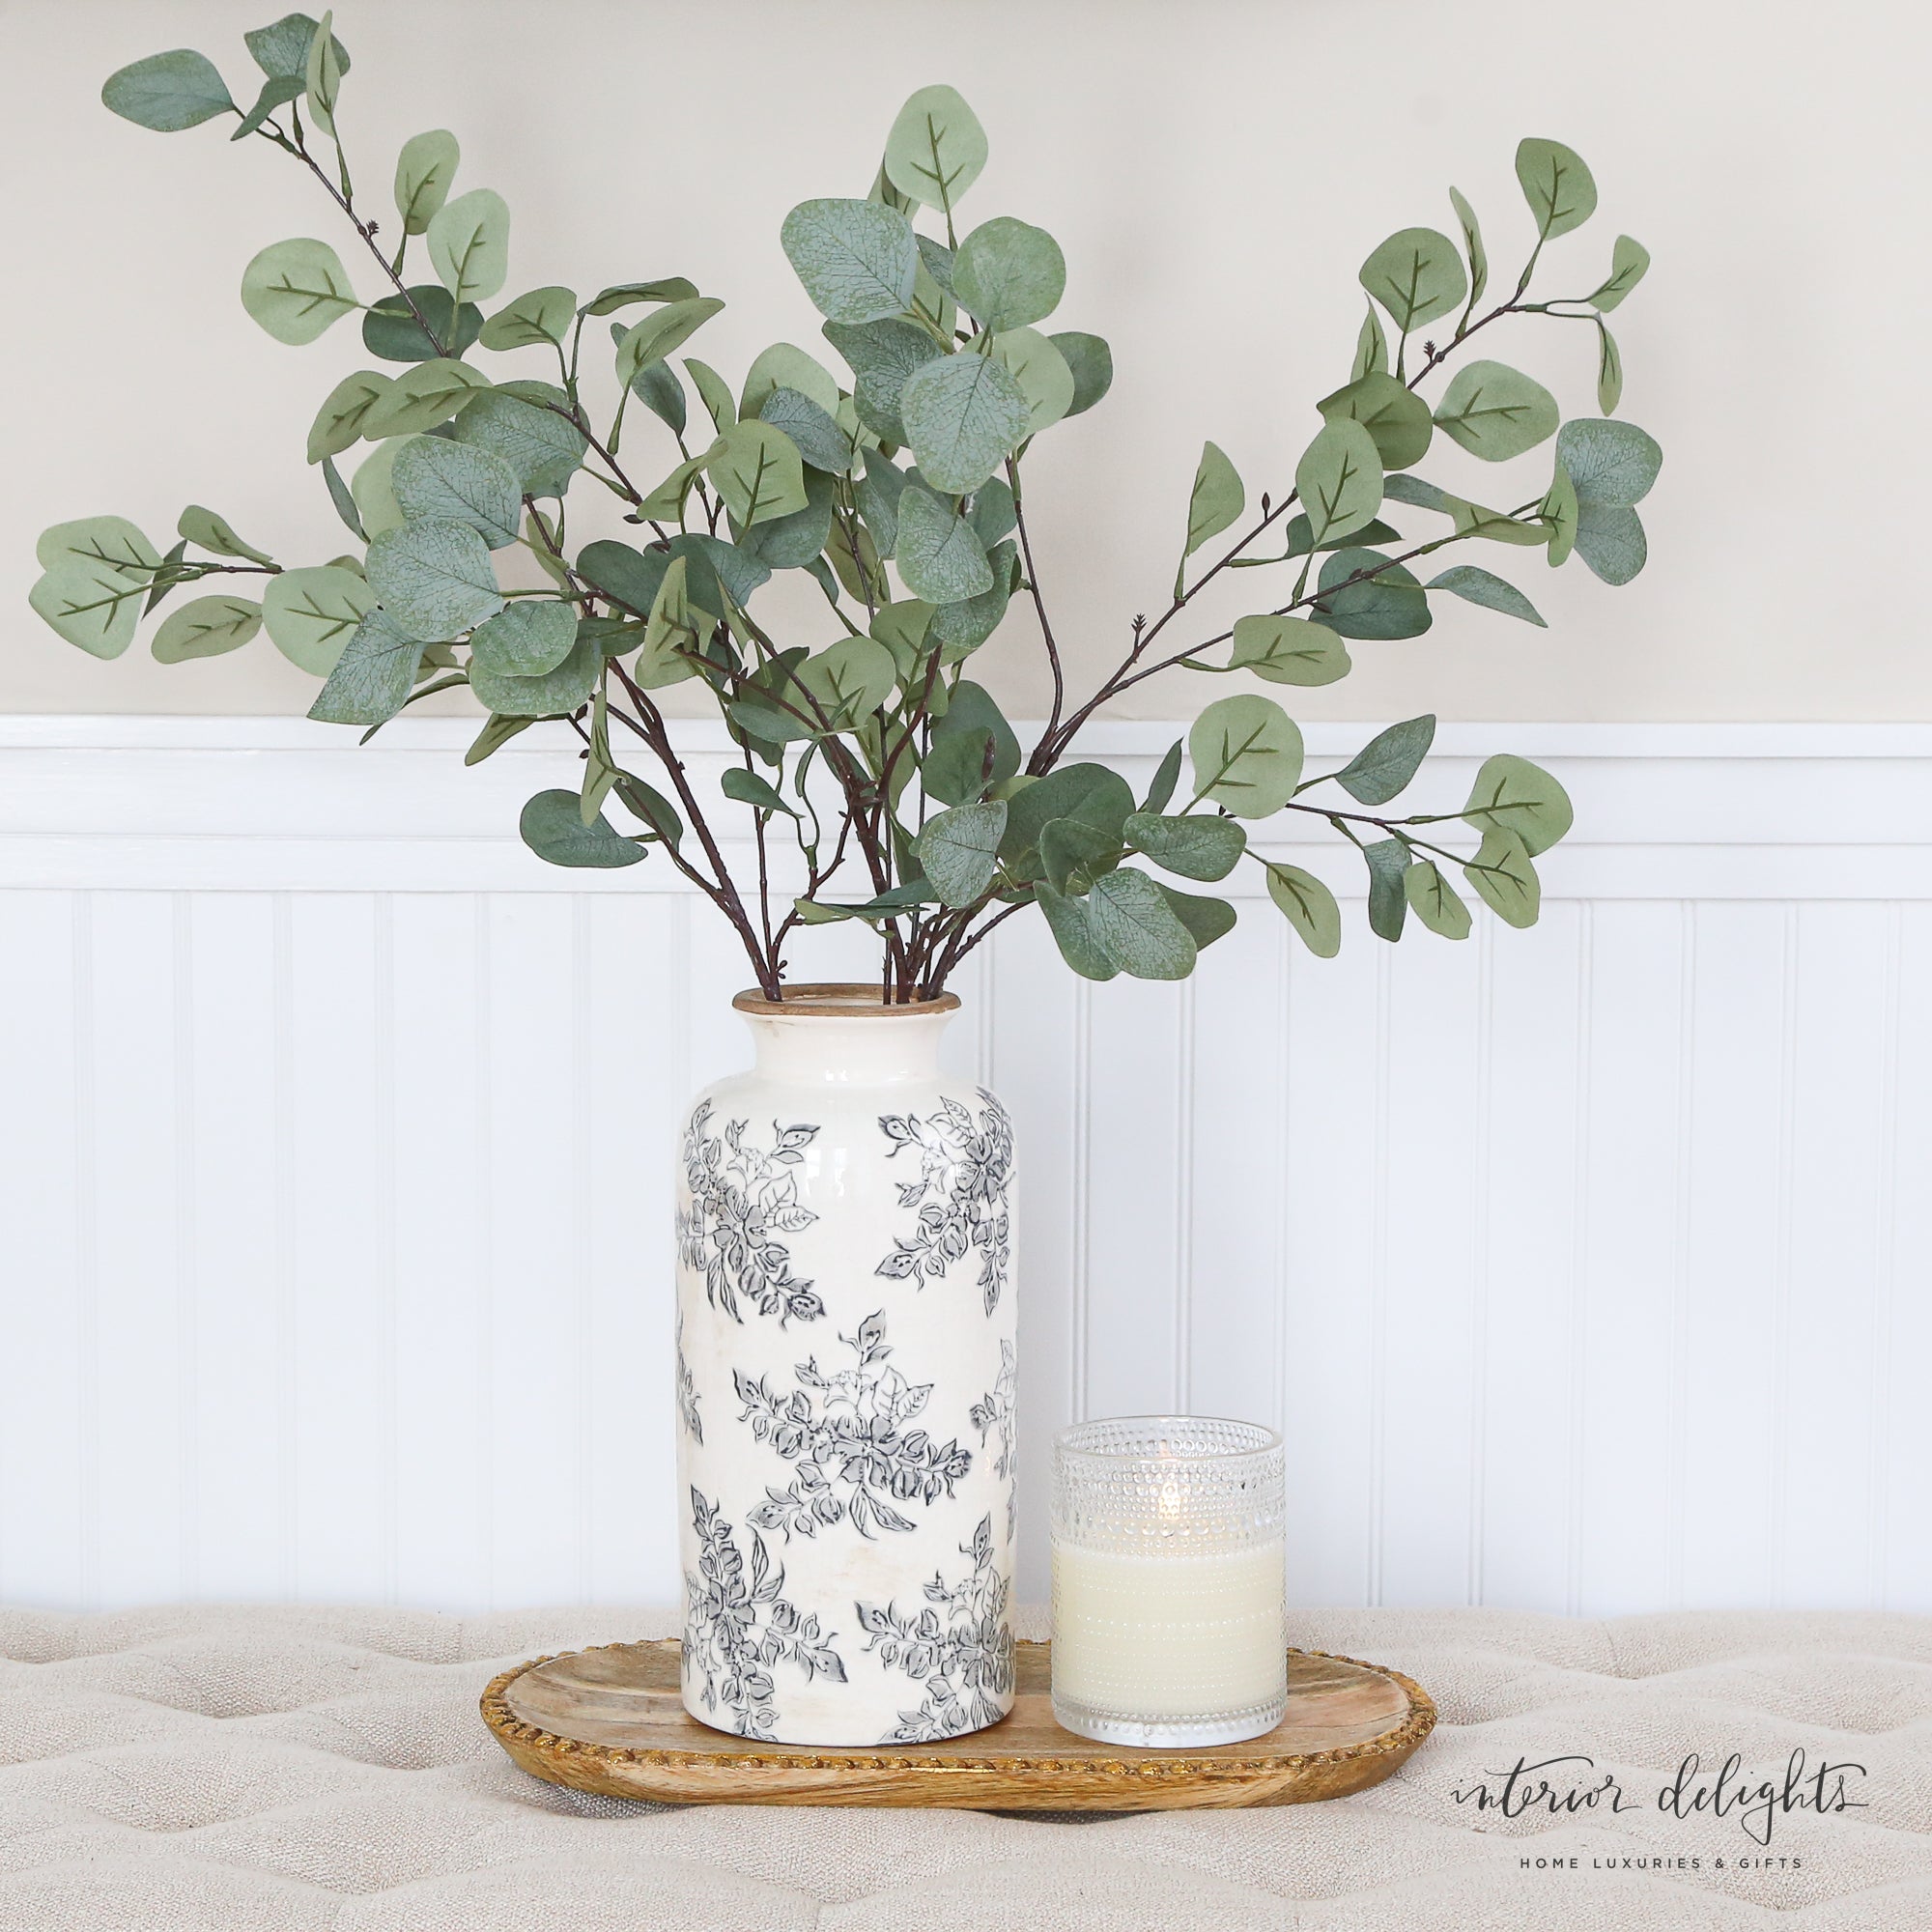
(846, 1376)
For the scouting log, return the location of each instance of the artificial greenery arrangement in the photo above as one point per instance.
(912, 804)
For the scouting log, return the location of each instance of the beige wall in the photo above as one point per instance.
(1216, 172)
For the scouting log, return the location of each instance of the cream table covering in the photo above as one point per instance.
(297, 1770)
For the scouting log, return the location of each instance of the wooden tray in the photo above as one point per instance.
(611, 1720)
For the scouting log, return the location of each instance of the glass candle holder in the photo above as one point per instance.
(1168, 1620)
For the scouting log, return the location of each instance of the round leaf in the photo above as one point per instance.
(339, 422)
(434, 579)
(91, 605)
(429, 394)
(373, 676)
(1496, 411)
(1091, 362)
(436, 477)
(844, 683)
(1071, 922)
(1434, 902)
(1009, 275)
(167, 92)
(111, 544)
(390, 329)
(858, 260)
(820, 441)
(1557, 186)
(1611, 464)
(661, 331)
(424, 171)
(1195, 847)
(1504, 877)
(756, 468)
(964, 414)
(1472, 243)
(1392, 413)
(957, 850)
(312, 613)
(470, 244)
(1216, 499)
(520, 422)
(1384, 767)
(1630, 262)
(553, 827)
(1493, 592)
(787, 366)
(1137, 928)
(540, 320)
(1309, 907)
(1288, 650)
(206, 628)
(212, 533)
(526, 639)
(552, 694)
(281, 50)
(1611, 540)
(370, 489)
(1416, 275)
(1520, 797)
(1340, 480)
(882, 355)
(939, 555)
(935, 150)
(1040, 371)
(1247, 757)
(297, 288)
(1365, 594)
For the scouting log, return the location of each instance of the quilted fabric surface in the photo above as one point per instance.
(326, 1771)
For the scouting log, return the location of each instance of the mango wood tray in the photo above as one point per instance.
(611, 1720)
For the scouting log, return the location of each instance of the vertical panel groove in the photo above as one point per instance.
(1678, 1418)
(1579, 1259)
(1285, 1116)
(486, 1344)
(383, 1110)
(1083, 1040)
(1183, 1207)
(287, 1446)
(188, 1394)
(1787, 1088)
(1886, 1245)
(87, 1261)
(1378, 1277)
(1479, 1265)
(583, 997)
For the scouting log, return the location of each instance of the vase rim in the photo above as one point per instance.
(839, 999)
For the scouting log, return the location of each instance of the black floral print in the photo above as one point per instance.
(740, 1626)
(850, 1438)
(992, 1415)
(958, 1647)
(741, 1197)
(687, 1390)
(964, 1169)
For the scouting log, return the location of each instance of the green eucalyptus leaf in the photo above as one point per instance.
(1494, 593)
(966, 625)
(90, 606)
(964, 415)
(1167, 774)
(1137, 928)
(373, 677)
(1392, 413)
(756, 468)
(338, 423)
(1630, 262)
(958, 849)
(956, 770)
(846, 682)
(857, 259)
(1496, 411)
(748, 788)
(281, 50)
(1521, 797)
(1612, 465)
(552, 694)
(1475, 520)
(1193, 847)
(1070, 922)
(994, 513)
(553, 827)
(1418, 491)
(1371, 350)
(1073, 855)
(627, 295)
(1040, 371)
(1216, 499)
(1557, 186)
(1472, 245)
(344, 499)
(392, 332)
(939, 557)
(878, 496)
(1387, 860)
(1416, 275)
(1308, 906)
(1384, 767)
(972, 708)
(111, 544)
(661, 331)
(297, 288)
(1609, 371)
(1207, 919)
(1559, 510)
(497, 732)
(791, 543)
(164, 579)
(787, 366)
(656, 387)
(820, 441)
(1247, 757)
(215, 534)
(1503, 876)
(424, 397)
(542, 318)
(276, 92)
(882, 355)
(435, 580)
(717, 569)
(168, 92)
(1387, 603)
(520, 422)
(1092, 363)
(206, 628)
(1434, 902)
(529, 637)
(374, 501)
(470, 244)
(1340, 479)
(311, 615)
(935, 150)
(1611, 539)
(1009, 275)
(436, 477)
(424, 171)
(1088, 794)
(1288, 650)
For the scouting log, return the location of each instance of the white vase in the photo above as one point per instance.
(845, 1370)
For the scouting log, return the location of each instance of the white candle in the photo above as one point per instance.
(1168, 1580)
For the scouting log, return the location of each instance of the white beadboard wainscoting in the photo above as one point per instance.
(1585, 1268)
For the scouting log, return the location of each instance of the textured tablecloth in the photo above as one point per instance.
(297, 1770)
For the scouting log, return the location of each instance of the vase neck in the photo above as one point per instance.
(830, 1049)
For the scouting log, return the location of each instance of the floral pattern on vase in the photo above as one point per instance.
(739, 1196)
(964, 1167)
(993, 1416)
